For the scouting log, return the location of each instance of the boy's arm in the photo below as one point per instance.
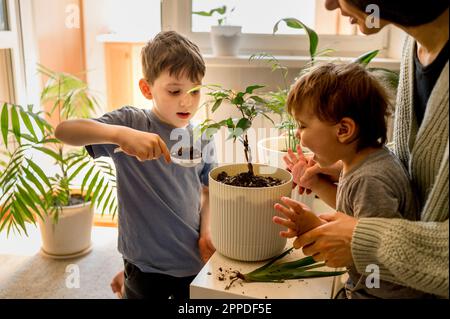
(143, 145)
(86, 132)
(205, 244)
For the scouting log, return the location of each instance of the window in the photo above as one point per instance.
(262, 11)
(12, 84)
(258, 17)
(3, 20)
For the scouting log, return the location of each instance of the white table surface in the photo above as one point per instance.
(207, 285)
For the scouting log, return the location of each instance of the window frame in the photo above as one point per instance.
(12, 40)
(174, 17)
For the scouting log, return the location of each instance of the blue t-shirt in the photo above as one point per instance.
(159, 203)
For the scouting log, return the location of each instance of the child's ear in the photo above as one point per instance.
(346, 130)
(145, 89)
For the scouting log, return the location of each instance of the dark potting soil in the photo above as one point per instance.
(76, 200)
(187, 153)
(248, 180)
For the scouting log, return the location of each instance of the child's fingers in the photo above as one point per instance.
(293, 204)
(164, 150)
(288, 233)
(300, 155)
(292, 156)
(283, 222)
(288, 162)
(285, 211)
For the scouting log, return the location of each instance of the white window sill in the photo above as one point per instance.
(242, 61)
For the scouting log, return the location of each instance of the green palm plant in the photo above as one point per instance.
(26, 189)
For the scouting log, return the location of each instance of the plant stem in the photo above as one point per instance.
(248, 155)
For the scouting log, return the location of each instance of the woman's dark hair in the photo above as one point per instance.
(405, 12)
(334, 91)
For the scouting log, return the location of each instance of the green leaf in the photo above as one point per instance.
(35, 181)
(5, 123)
(216, 105)
(91, 186)
(244, 124)
(297, 24)
(15, 123)
(85, 179)
(26, 120)
(365, 58)
(40, 172)
(51, 153)
(77, 171)
(258, 99)
(250, 89)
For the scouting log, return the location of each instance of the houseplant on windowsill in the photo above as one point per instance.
(30, 193)
(241, 207)
(225, 39)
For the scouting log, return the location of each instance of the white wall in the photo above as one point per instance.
(131, 18)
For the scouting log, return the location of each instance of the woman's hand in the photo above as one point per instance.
(330, 242)
(299, 220)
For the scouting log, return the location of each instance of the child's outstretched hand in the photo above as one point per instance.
(300, 218)
(143, 145)
(298, 165)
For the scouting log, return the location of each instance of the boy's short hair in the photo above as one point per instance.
(172, 52)
(335, 91)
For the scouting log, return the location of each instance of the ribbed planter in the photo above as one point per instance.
(71, 235)
(241, 217)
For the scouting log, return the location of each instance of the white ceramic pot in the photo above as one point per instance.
(241, 217)
(271, 152)
(71, 235)
(225, 40)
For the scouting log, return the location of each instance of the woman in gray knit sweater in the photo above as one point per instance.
(410, 253)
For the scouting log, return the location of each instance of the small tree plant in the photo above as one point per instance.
(222, 12)
(249, 105)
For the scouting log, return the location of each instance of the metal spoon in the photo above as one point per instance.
(177, 160)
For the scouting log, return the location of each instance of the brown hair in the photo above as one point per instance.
(173, 52)
(335, 91)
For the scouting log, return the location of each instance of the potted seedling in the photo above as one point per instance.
(225, 39)
(242, 195)
(31, 193)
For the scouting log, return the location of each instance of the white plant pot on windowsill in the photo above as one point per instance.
(225, 40)
(241, 217)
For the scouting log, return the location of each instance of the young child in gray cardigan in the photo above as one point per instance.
(341, 111)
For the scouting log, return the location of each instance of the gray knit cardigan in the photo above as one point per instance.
(414, 254)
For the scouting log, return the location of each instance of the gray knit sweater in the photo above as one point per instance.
(415, 254)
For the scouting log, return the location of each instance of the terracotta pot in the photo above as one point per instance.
(241, 217)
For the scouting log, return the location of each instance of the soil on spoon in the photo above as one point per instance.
(247, 179)
(187, 153)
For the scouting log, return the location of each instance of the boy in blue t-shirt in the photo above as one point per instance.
(164, 235)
